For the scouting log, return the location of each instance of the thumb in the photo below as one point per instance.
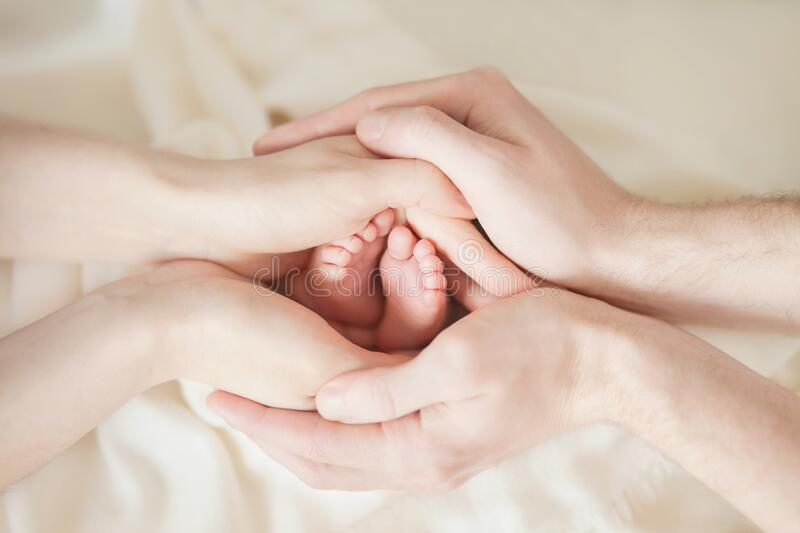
(424, 132)
(380, 394)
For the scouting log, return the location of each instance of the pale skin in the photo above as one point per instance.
(72, 197)
(143, 206)
(565, 361)
(548, 207)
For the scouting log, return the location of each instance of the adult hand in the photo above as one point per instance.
(505, 377)
(221, 329)
(524, 369)
(64, 374)
(541, 200)
(159, 206)
(312, 194)
(550, 208)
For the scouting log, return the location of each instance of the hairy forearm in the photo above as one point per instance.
(72, 197)
(733, 429)
(62, 375)
(731, 264)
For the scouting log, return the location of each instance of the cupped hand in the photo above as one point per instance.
(304, 197)
(542, 201)
(211, 325)
(515, 371)
(511, 374)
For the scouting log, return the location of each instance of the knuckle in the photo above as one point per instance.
(383, 397)
(454, 347)
(345, 148)
(470, 372)
(373, 98)
(488, 75)
(365, 97)
(423, 121)
(506, 163)
(427, 172)
(461, 361)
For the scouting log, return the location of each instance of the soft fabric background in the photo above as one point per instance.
(677, 100)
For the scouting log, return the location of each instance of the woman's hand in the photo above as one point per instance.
(91, 199)
(216, 327)
(310, 194)
(62, 375)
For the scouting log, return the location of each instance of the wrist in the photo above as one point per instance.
(594, 377)
(215, 210)
(627, 258)
(141, 326)
(124, 335)
(648, 366)
(623, 364)
(616, 247)
(183, 227)
(603, 348)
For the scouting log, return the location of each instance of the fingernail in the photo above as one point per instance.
(370, 128)
(330, 401)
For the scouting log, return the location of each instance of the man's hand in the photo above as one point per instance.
(526, 368)
(543, 202)
(550, 209)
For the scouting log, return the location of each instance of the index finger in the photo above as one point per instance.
(342, 118)
(307, 434)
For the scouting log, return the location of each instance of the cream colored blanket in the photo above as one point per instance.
(677, 100)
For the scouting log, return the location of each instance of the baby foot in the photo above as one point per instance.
(414, 284)
(339, 282)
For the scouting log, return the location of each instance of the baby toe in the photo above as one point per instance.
(384, 221)
(401, 243)
(430, 263)
(369, 233)
(434, 281)
(352, 244)
(424, 248)
(433, 298)
(336, 256)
